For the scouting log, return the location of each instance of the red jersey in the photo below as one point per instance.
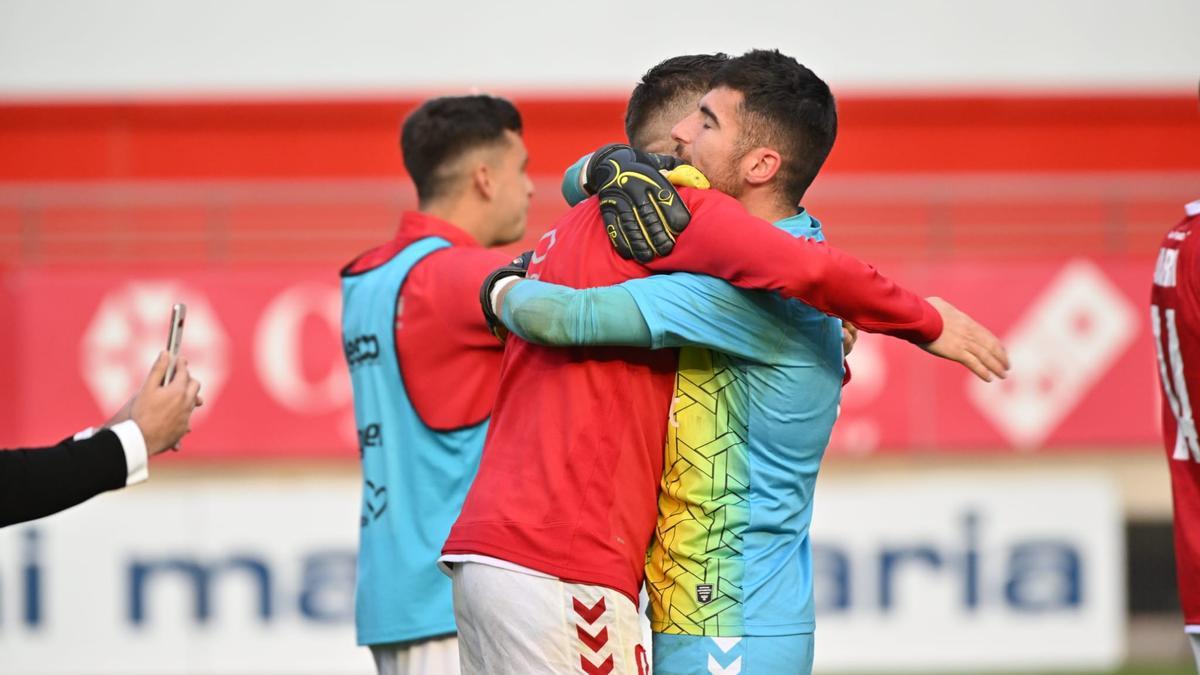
(449, 359)
(568, 482)
(1175, 321)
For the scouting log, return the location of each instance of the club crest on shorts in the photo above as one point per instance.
(704, 593)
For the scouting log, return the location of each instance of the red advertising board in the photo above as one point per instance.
(266, 344)
(1083, 365)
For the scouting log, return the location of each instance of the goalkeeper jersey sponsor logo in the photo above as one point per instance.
(695, 567)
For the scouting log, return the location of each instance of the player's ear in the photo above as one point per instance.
(761, 165)
(484, 180)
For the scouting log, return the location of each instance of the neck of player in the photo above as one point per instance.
(472, 218)
(764, 203)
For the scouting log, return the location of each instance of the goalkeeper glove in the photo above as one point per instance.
(642, 212)
(496, 282)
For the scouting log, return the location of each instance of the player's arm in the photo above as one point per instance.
(451, 278)
(725, 241)
(550, 314)
(695, 310)
(760, 256)
(669, 310)
(645, 216)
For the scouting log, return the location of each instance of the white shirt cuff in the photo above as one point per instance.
(85, 434)
(136, 458)
(504, 283)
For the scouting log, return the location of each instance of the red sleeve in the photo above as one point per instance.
(449, 280)
(723, 240)
(449, 359)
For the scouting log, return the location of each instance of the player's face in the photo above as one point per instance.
(513, 190)
(708, 139)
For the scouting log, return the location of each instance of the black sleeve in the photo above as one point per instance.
(36, 482)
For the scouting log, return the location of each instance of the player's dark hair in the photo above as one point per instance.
(443, 129)
(785, 107)
(665, 86)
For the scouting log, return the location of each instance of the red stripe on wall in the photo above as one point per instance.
(1104, 133)
(352, 139)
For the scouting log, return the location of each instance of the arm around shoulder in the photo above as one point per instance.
(550, 314)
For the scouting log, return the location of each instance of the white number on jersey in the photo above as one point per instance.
(1170, 369)
(1164, 271)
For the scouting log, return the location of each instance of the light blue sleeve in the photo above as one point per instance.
(572, 185)
(549, 314)
(695, 310)
(661, 311)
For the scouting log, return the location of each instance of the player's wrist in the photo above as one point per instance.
(499, 290)
(583, 172)
(931, 326)
(493, 287)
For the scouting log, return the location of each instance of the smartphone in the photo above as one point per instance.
(174, 338)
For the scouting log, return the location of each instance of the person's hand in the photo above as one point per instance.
(849, 337)
(642, 212)
(489, 297)
(964, 340)
(126, 410)
(662, 163)
(162, 412)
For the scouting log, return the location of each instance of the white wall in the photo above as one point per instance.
(51, 48)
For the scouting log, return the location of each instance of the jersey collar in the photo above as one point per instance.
(801, 224)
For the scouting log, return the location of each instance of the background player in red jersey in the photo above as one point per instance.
(1175, 321)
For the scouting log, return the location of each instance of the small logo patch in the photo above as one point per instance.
(704, 593)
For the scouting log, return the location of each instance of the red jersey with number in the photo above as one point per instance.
(1175, 321)
(568, 483)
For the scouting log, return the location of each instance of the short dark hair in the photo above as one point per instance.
(443, 129)
(664, 86)
(787, 107)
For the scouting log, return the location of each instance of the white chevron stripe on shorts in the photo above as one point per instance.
(725, 644)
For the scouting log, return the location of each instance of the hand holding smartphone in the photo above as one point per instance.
(174, 339)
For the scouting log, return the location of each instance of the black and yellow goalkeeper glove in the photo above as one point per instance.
(519, 267)
(642, 212)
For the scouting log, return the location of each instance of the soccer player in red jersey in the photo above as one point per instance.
(1175, 322)
(549, 550)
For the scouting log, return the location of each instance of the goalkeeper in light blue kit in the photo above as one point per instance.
(729, 573)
